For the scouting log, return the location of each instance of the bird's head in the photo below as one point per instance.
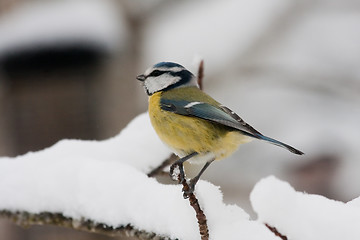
(164, 76)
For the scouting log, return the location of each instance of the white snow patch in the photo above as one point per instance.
(303, 216)
(106, 181)
(136, 145)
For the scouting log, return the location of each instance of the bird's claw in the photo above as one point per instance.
(177, 172)
(188, 189)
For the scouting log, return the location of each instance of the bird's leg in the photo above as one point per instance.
(179, 174)
(194, 180)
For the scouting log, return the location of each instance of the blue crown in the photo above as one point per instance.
(167, 64)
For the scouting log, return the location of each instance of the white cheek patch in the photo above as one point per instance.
(158, 83)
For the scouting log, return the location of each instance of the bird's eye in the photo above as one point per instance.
(155, 73)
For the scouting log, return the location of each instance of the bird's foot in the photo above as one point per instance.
(177, 172)
(188, 188)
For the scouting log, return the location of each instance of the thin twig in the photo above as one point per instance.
(200, 216)
(276, 232)
(201, 74)
(159, 170)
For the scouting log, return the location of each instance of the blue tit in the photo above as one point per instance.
(195, 126)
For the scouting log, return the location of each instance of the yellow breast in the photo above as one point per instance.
(186, 135)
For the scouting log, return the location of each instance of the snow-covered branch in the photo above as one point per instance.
(26, 219)
(304, 216)
(103, 187)
(106, 182)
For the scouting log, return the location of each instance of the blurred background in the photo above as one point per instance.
(289, 68)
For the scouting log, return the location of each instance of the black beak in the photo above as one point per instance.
(141, 77)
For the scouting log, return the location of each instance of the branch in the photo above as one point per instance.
(201, 74)
(276, 232)
(26, 219)
(200, 216)
(160, 169)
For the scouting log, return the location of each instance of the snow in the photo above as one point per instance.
(138, 133)
(176, 173)
(304, 216)
(106, 181)
(58, 22)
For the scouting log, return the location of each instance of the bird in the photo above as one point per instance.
(196, 127)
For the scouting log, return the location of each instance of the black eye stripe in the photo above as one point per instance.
(184, 74)
(156, 73)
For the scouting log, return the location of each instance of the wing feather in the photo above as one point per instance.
(220, 115)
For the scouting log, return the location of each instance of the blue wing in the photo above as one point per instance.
(220, 115)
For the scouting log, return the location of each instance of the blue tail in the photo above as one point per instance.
(278, 143)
